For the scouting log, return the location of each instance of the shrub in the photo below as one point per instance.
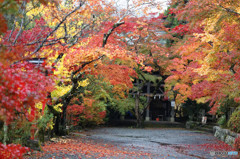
(18, 131)
(12, 151)
(234, 121)
(87, 114)
(237, 145)
(222, 120)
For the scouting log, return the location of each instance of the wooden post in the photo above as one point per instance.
(148, 99)
(172, 111)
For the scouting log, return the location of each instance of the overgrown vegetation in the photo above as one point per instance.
(234, 121)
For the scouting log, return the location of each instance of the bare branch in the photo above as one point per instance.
(106, 36)
(22, 22)
(58, 59)
(232, 68)
(59, 24)
(48, 41)
(66, 32)
(13, 28)
(230, 10)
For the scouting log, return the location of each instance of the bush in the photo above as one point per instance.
(12, 151)
(18, 131)
(222, 121)
(237, 145)
(85, 115)
(234, 121)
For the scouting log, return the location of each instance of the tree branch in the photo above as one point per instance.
(83, 65)
(58, 59)
(74, 80)
(22, 22)
(66, 33)
(229, 10)
(47, 41)
(59, 24)
(106, 36)
(232, 68)
(13, 28)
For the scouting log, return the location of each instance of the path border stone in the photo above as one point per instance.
(225, 135)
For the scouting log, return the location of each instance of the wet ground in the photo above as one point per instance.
(123, 142)
(163, 143)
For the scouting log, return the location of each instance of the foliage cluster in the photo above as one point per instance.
(205, 61)
(234, 121)
(174, 25)
(237, 144)
(91, 106)
(12, 151)
(222, 121)
(78, 41)
(93, 51)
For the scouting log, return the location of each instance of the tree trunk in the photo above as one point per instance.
(57, 125)
(41, 135)
(60, 123)
(139, 115)
(5, 132)
(140, 121)
(64, 117)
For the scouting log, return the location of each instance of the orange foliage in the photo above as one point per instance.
(207, 59)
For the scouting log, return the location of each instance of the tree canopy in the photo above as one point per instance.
(88, 53)
(207, 63)
(85, 61)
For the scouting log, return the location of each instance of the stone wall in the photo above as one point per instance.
(225, 135)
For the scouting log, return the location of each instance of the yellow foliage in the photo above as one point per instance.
(60, 32)
(62, 71)
(33, 11)
(83, 83)
(38, 105)
(50, 124)
(195, 81)
(203, 99)
(60, 91)
(204, 70)
(58, 107)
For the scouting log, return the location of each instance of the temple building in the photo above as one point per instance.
(160, 108)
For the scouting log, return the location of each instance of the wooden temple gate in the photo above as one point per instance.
(159, 108)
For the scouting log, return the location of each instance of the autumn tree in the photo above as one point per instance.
(22, 85)
(144, 36)
(76, 38)
(208, 63)
(100, 53)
